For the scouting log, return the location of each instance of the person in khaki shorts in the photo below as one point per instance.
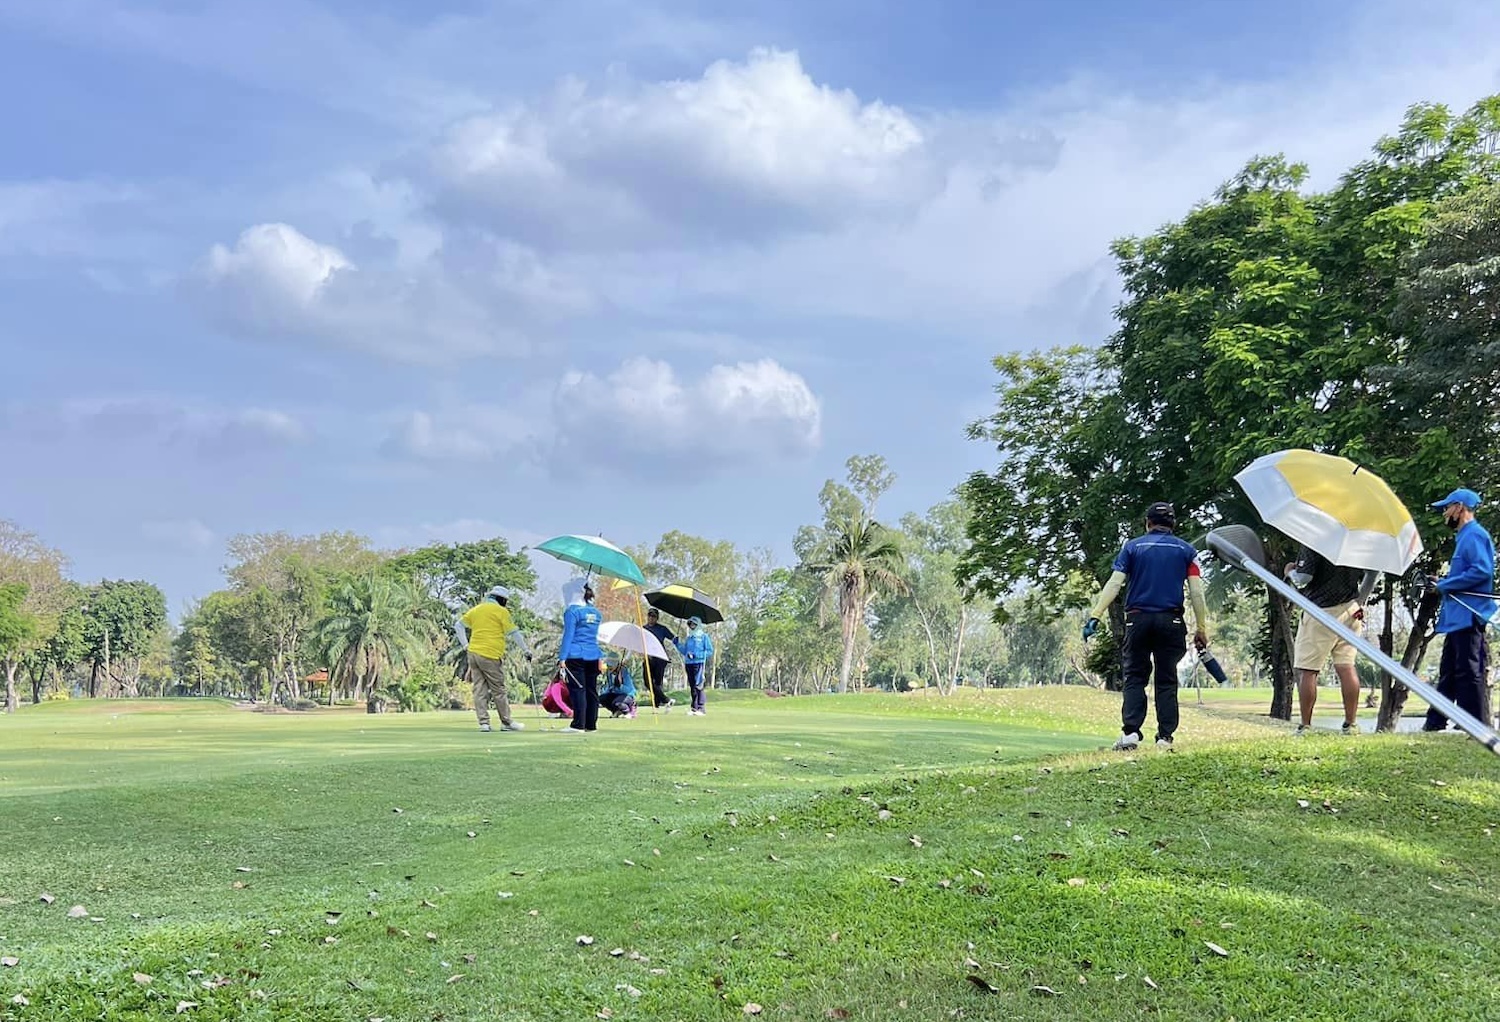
(483, 631)
(1341, 592)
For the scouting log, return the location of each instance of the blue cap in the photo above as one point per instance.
(1468, 498)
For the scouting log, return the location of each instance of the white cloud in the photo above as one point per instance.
(275, 283)
(211, 432)
(638, 420)
(750, 148)
(185, 534)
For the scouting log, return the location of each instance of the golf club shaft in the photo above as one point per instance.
(1475, 728)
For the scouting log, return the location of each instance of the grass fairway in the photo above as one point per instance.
(860, 857)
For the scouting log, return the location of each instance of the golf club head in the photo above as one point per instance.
(1236, 544)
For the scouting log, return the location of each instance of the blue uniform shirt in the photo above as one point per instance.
(1472, 570)
(1157, 565)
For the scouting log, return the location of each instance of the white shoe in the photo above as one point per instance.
(1164, 743)
(1127, 741)
(570, 730)
(485, 727)
(514, 725)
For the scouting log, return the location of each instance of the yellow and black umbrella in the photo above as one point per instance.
(683, 601)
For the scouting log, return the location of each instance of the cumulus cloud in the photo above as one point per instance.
(635, 420)
(276, 283)
(748, 148)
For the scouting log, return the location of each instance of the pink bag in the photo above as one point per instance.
(555, 699)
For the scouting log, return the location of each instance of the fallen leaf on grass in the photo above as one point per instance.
(898, 881)
(1083, 980)
(330, 940)
(945, 884)
(469, 959)
(916, 841)
(183, 1006)
(427, 904)
(78, 912)
(983, 983)
(970, 963)
(141, 978)
(774, 859)
(1303, 803)
(46, 899)
(976, 872)
(396, 810)
(1120, 832)
(604, 1013)
(9, 962)
(836, 1013)
(751, 1008)
(1151, 983)
(431, 936)
(616, 952)
(884, 814)
(238, 885)
(629, 990)
(455, 978)
(1216, 949)
(472, 834)
(1076, 882)
(505, 894)
(19, 1001)
(533, 913)
(584, 940)
(243, 869)
(1042, 991)
(518, 872)
(627, 862)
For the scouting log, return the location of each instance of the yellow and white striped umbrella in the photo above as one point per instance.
(1345, 513)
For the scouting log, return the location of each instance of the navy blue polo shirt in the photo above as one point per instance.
(1158, 565)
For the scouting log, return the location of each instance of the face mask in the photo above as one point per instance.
(1453, 520)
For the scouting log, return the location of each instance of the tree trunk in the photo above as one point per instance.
(10, 684)
(1392, 693)
(958, 647)
(1282, 641)
(846, 665)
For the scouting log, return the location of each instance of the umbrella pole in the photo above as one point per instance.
(1476, 729)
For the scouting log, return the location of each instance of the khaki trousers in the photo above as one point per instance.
(488, 680)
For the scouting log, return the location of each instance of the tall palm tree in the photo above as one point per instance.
(858, 559)
(372, 625)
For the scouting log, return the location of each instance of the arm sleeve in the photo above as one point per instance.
(708, 647)
(1200, 604)
(518, 638)
(1367, 586)
(461, 632)
(1107, 594)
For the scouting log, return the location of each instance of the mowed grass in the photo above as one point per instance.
(859, 857)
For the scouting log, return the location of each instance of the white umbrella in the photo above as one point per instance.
(632, 638)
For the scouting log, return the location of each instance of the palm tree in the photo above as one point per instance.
(858, 559)
(373, 624)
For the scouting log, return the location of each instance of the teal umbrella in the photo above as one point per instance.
(595, 555)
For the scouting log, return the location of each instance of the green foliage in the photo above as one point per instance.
(16, 626)
(373, 628)
(460, 574)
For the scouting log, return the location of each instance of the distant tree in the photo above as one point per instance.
(39, 569)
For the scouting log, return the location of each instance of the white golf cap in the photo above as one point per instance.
(501, 592)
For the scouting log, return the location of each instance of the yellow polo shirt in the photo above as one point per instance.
(488, 625)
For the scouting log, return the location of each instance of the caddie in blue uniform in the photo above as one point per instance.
(1466, 608)
(1153, 569)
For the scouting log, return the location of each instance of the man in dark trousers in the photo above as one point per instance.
(1462, 619)
(1152, 569)
(656, 669)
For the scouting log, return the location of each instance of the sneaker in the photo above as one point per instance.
(485, 727)
(1129, 740)
(570, 730)
(1349, 728)
(1164, 743)
(1303, 730)
(631, 715)
(514, 725)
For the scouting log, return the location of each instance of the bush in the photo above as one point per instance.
(303, 704)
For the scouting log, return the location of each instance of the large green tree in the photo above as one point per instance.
(858, 559)
(39, 570)
(459, 574)
(373, 627)
(122, 620)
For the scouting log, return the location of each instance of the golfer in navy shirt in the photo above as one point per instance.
(1153, 569)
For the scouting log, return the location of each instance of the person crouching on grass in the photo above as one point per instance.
(482, 633)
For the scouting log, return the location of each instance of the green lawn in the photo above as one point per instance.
(869, 857)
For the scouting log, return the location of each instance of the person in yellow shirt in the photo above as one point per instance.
(483, 631)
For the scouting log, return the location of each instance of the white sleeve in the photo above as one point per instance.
(518, 638)
(461, 632)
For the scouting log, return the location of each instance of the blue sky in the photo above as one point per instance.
(438, 271)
